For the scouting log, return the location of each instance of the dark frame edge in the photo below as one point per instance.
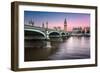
(55, 5)
(96, 36)
(14, 37)
(56, 67)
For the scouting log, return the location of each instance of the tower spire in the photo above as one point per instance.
(65, 25)
(43, 24)
(31, 22)
(65, 22)
(47, 24)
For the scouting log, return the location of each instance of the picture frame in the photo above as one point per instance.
(24, 59)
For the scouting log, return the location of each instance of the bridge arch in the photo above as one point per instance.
(54, 34)
(63, 34)
(37, 32)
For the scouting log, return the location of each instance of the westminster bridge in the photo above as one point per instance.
(44, 33)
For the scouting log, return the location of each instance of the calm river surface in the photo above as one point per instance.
(70, 48)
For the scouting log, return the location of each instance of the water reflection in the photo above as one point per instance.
(71, 48)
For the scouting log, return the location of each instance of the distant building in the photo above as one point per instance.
(65, 25)
(31, 22)
(46, 24)
(43, 25)
(80, 30)
(77, 30)
(55, 28)
(59, 28)
(86, 29)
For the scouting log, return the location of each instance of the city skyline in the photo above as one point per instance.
(56, 19)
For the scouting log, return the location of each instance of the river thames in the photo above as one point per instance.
(70, 48)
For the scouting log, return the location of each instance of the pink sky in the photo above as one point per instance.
(71, 24)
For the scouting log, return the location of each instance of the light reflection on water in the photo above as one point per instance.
(71, 48)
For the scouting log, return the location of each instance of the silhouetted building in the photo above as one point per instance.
(59, 28)
(55, 28)
(86, 29)
(77, 30)
(46, 24)
(31, 22)
(43, 25)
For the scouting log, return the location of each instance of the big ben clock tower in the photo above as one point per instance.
(65, 25)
